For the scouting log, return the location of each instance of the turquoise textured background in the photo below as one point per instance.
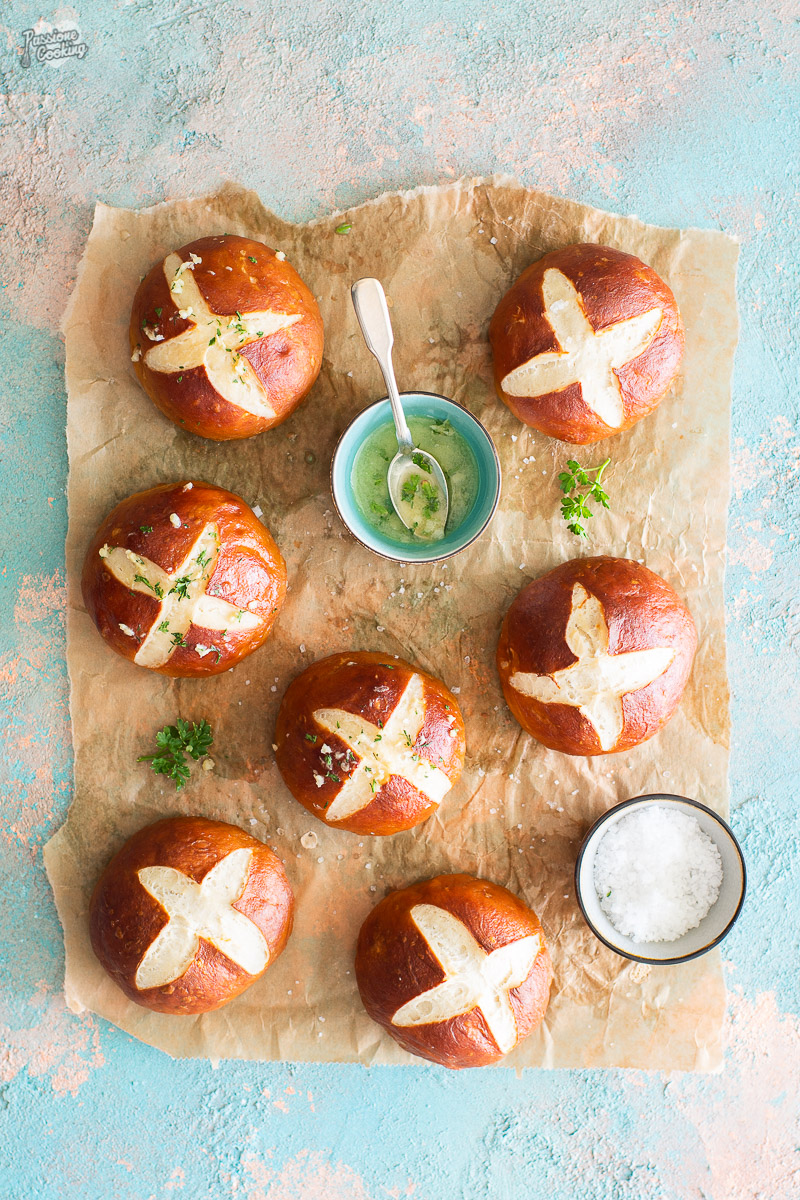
(683, 113)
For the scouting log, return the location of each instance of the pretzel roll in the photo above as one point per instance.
(183, 579)
(455, 969)
(366, 742)
(585, 343)
(189, 913)
(226, 339)
(594, 656)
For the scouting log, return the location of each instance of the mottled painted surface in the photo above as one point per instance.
(685, 114)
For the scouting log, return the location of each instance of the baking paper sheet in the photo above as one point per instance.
(445, 256)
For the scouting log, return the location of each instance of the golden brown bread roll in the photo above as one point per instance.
(585, 343)
(456, 969)
(183, 579)
(368, 743)
(225, 337)
(189, 913)
(594, 656)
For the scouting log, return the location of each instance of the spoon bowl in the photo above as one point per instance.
(417, 484)
(418, 491)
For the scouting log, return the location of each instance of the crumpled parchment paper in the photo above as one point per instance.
(445, 256)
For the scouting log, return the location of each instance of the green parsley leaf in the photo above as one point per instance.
(344, 228)
(154, 587)
(422, 463)
(409, 488)
(311, 737)
(574, 506)
(173, 743)
(431, 494)
(145, 528)
(180, 587)
(252, 259)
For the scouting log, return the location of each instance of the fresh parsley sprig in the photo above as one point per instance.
(574, 507)
(174, 742)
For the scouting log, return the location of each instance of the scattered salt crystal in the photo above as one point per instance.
(656, 874)
(309, 840)
(126, 629)
(175, 520)
(258, 510)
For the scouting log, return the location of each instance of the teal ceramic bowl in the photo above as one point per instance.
(416, 404)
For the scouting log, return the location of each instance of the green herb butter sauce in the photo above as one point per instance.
(421, 498)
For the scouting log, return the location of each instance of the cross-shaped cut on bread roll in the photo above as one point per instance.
(182, 596)
(188, 913)
(215, 341)
(200, 910)
(225, 337)
(587, 341)
(473, 978)
(587, 356)
(594, 656)
(455, 969)
(369, 744)
(384, 751)
(597, 681)
(183, 579)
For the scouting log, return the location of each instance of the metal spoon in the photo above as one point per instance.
(369, 302)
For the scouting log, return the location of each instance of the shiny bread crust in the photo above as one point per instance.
(394, 964)
(368, 685)
(250, 572)
(614, 286)
(124, 919)
(641, 610)
(287, 362)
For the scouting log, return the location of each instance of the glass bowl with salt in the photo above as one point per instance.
(660, 879)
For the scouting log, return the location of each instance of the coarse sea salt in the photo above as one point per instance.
(656, 874)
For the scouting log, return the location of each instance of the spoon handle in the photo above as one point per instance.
(372, 311)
